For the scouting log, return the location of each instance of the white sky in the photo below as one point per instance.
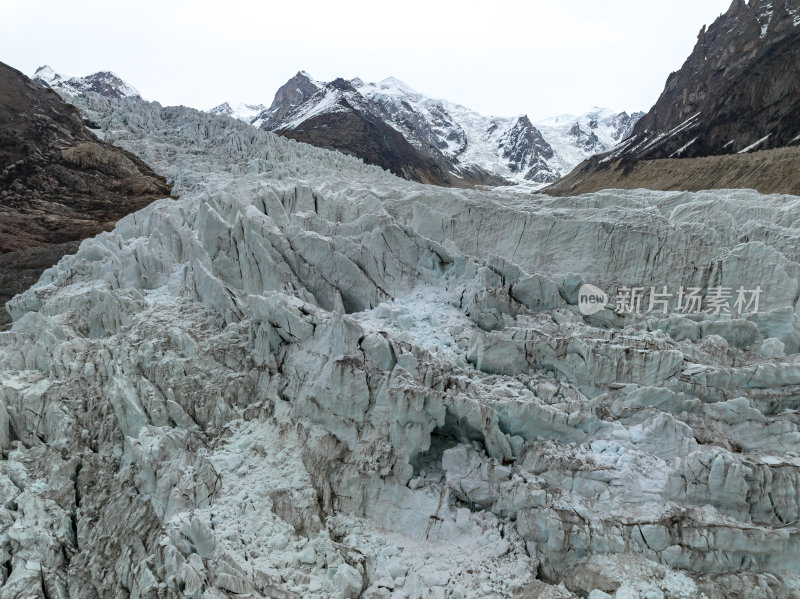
(540, 57)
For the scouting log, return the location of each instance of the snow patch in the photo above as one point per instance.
(755, 144)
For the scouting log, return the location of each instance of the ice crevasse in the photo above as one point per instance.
(308, 378)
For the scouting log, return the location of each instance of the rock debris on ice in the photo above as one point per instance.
(308, 378)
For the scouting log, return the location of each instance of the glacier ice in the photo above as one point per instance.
(308, 378)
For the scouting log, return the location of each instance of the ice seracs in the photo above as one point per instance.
(309, 378)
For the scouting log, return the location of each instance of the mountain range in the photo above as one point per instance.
(416, 137)
(429, 140)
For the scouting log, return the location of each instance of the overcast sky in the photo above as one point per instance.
(540, 57)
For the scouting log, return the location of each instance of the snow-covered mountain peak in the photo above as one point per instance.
(464, 144)
(394, 85)
(112, 83)
(106, 83)
(290, 95)
(326, 100)
(47, 74)
(390, 89)
(305, 75)
(596, 112)
(576, 137)
(239, 110)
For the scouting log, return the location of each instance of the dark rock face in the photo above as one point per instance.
(58, 182)
(738, 92)
(740, 84)
(288, 97)
(526, 150)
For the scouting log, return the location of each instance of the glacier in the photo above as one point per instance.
(309, 378)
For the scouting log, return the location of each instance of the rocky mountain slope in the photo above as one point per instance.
(58, 182)
(340, 118)
(738, 92)
(767, 171)
(439, 142)
(308, 378)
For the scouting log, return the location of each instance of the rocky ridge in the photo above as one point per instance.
(737, 91)
(59, 183)
(307, 378)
